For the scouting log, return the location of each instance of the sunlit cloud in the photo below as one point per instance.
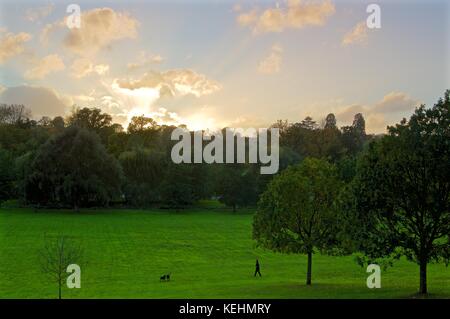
(296, 15)
(39, 13)
(177, 82)
(145, 60)
(99, 29)
(357, 35)
(84, 67)
(42, 67)
(391, 108)
(12, 44)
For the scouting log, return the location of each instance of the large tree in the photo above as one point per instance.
(143, 171)
(13, 114)
(90, 118)
(403, 187)
(6, 175)
(296, 213)
(354, 136)
(73, 169)
(236, 185)
(177, 188)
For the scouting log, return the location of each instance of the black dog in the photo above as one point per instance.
(165, 277)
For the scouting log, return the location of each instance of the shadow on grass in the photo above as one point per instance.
(335, 291)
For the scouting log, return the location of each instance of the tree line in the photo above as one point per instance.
(86, 160)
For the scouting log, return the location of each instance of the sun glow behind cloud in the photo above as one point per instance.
(142, 102)
(137, 101)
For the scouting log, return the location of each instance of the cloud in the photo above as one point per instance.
(100, 27)
(145, 59)
(396, 102)
(36, 14)
(178, 82)
(41, 101)
(247, 19)
(272, 63)
(389, 110)
(163, 116)
(84, 67)
(237, 7)
(12, 44)
(50, 63)
(357, 35)
(296, 15)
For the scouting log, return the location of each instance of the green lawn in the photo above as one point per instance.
(209, 252)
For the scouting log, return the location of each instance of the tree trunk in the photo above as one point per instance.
(234, 208)
(423, 277)
(59, 291)
(308, 274)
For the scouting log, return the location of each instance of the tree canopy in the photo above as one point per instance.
(73, 169)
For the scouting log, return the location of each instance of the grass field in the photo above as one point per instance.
(209, 252)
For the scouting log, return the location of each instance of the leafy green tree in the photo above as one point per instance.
(142, 123)
(330, 121)
(73, 169)
(354, 136)
(359, 125)
(177, 189)
(89, 118)
(236, 185)
(143, 171)
(403, 190)
(329, 143)
(22, 169)
(308, 123)
(296, 214)
(6, 175)
(94, 120)
(58, 123)
(346, 167)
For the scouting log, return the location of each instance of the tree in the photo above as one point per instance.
(302, 138)
(142, 123)
(6, 175)
(308, 123)
(89, 118)
(281, 125)
(329, 143)
(296, 213)
(73, 169)
(359, 124)
(13, 114)
(403, 190)
(58, 123)
(354, 136)
(236, 185)
(56, 255)
(177, 189)
(330, 121)
(143, 170)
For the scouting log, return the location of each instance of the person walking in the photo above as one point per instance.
(257, 270)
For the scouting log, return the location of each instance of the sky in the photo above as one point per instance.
(211, 64)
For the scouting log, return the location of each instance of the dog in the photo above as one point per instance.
(165, 277)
